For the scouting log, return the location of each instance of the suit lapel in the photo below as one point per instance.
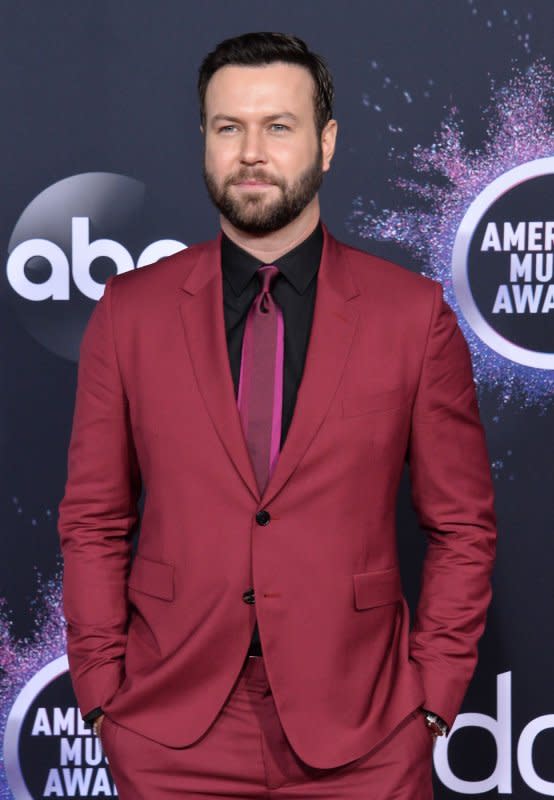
(330, 341)
(329, 344)
(202, 313)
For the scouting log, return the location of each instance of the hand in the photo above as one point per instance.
(97, 724)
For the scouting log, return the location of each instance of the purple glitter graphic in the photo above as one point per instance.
(519, 129)
(21, 659)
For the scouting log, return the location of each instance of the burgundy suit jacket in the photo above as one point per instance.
(158, 640)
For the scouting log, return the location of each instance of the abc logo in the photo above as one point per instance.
(64, 247)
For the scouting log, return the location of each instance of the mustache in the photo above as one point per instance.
(252, 175)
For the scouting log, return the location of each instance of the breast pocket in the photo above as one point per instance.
(360, 403)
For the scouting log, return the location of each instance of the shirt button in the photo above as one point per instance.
(263, 517)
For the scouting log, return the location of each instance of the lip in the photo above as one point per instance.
(253, 184)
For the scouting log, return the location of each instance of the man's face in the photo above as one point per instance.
(264, 161)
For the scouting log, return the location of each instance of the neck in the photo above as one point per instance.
(269, 247)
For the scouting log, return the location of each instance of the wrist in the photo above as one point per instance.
(97, 724)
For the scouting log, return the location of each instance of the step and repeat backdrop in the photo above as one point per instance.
(445, 164)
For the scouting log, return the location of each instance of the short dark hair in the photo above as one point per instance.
(256, 49)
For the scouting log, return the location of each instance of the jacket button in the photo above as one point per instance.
(248, 596)
(263, 517)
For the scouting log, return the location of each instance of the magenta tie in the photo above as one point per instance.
(260, 393)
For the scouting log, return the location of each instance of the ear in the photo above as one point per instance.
(202, 130)
(328, 142)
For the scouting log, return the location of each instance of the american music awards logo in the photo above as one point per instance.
(48, 751)
(502, 265)
(483, 225)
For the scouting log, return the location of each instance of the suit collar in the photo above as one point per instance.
(339, 278)
(299, 266)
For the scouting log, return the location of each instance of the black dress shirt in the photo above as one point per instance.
(294, 292)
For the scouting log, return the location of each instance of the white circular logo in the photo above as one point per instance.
(48, 752)
(503, 264)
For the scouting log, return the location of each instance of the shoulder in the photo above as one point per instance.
(385, 279)
(163, 276)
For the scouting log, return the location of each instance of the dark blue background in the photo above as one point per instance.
(110, 85)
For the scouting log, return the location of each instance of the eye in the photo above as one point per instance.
(279, 127)
(227, 129)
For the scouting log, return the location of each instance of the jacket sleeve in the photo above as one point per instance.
(97, 516)
(453, 497)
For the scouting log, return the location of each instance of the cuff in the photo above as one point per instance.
(89, 718)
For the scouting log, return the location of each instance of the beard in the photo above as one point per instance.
(251, 212)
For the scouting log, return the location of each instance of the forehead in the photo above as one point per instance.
(265, 89)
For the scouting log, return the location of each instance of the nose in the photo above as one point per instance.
(252, 150)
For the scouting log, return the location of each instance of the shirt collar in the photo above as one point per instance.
(298, 266)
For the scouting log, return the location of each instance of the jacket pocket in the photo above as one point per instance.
(378, 401)
(155, 578)
(373, 589)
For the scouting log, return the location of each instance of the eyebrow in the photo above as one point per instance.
(268, 118)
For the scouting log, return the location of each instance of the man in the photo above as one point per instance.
(265, 389)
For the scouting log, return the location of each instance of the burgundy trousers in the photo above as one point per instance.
(245, 754)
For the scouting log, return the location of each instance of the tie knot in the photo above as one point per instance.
(267, 275)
